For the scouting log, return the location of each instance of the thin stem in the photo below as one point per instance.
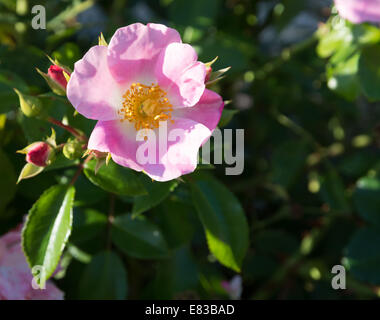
(80, 169)
(68, 128)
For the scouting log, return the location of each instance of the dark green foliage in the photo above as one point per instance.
(309, 196)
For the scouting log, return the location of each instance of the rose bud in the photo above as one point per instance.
(73, 149)
(208, 73)
(56, 73)
(56, 79)
(30, 106)
(39, 154)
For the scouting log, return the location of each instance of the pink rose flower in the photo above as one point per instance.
(15, 275)
(145, 76)
(358, 11)
(38, 154)
(56, 74)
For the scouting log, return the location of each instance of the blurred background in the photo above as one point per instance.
(306, 146)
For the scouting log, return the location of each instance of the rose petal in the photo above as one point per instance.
(116, 137)
(182, 153)
(119, 138)
(92, 90)
(207, 111)
(15, 275)
(359, 11)
(179, 73)
(133, 51)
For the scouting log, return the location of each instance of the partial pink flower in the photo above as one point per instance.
(56, 74)
(15, 275)
(146, 76)
(234, 287)
(358, 11)
(38, 154)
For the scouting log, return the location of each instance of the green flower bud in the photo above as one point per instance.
(30, 106)
(73, 149)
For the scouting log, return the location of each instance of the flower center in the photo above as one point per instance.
(146, 106)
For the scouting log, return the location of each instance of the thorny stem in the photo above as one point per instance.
(68, 128)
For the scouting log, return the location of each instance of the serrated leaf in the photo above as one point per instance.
(223, 219)
(105, 278)
(138, 238)
(48, 228)
(115, 179)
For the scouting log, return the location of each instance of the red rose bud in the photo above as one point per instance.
(56, 73)
(39, 154)
(208, 73)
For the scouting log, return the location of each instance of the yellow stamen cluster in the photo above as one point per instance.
(145, 106)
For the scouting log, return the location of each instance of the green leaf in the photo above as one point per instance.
(88, 223)
(105, 278)
(367, 199)
(363, 255)
(369, 72)
(48, 228)
(342, 77)
(86, 193)
(115, 179)
(34, 129)
(175, 276)
(138, 238)
(365, 34)
(175, 222)
(157, 192)
(223, 220)
(332, 39)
